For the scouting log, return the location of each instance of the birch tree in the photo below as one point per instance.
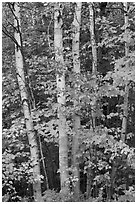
(76, 68)
(60, 78)
(125, 110)
(94, 71)
(25, 103)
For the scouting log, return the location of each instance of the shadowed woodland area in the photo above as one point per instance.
(68, 101)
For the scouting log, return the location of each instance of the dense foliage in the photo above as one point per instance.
(106, 163)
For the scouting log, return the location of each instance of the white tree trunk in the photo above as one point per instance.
(63, 140)
(76, 68)
(125, 111)
(26, 108)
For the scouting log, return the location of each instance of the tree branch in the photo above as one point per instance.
(5, 31)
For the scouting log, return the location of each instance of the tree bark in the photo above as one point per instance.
(76, 118)
(94, 72)
(94, 59)
(125, 111)
(43, 164)
(63, 140)
(26, 106)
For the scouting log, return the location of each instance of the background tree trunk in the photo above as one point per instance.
(94, 71)
(43, 163)
(76, 118)
(94, 59)
(26, 107)
(63, 140)
(125, 111)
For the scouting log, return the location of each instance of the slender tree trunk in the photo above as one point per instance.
(94, 59)
(92, 38)
(43, 163)
(63, 140)
(125, 111)
(94, 72)
(76, 68)
(26, 107)
(89, 175)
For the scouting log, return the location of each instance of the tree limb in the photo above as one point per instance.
(5, 31)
